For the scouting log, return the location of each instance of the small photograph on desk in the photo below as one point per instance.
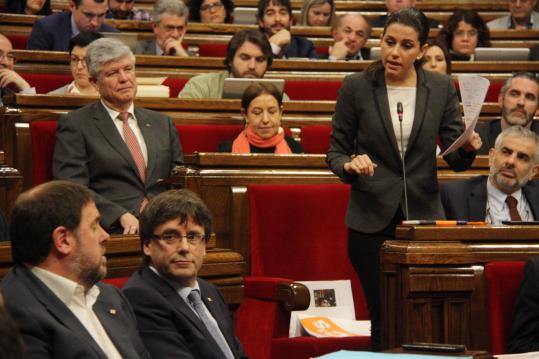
(324, 298)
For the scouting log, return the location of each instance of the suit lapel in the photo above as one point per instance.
(380, 97)
(58, 309)
(422, 97)
(531, 192)
(477, 202)
(151, 138)
(109, 131)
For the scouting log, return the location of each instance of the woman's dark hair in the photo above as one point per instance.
(438, 42)
(18, 7)
(470, 17)
(256, 89)
(194, 10)
(83, 39)
(411, 17)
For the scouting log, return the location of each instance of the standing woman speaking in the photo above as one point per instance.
(365, 148)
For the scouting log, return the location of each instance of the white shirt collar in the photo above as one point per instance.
(114, 114)
(497, 198)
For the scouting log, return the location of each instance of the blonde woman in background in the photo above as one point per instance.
(317, 13)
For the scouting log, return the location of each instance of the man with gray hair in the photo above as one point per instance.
(521, 16)
(519, 100)
(121, 152)
(509, 193)
(169, 24)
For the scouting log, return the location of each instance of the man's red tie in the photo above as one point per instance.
(513, 211)
(134, 147)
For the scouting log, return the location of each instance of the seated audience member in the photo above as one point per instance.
(248, 55)
(211, 11)
(524, 335)
(179, 314)
(11, 343)
(274, 20)
(29, 7)
(53, 291)
(262, 109)
(521, 16)
(519, 100)
(121, 152)
(465, 31)
(81, 85)
(10, 81)
(436, 57)
(509, 193)
(169, 24)
(317, 13)
(394, 5)
(350, 32)
(53, 32)
(4, 228)
(126, 10)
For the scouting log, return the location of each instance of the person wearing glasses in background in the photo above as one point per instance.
(169, 24)
(81, 85)
(10, 81)
(53, 32)
(178, 313)
(521, 17)
(211, 11)
(125, 10)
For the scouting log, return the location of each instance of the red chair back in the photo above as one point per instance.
(43, 136)
(315, 139)
(47, 82)
(212, 50)
(503, 282)
(175, 85)
(312, 90)
(19, 42)
(298, 232)
(206, 138)
(117, 282)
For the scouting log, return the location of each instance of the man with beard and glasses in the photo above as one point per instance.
(519, 100)
(509, 193)
(274, 20)
(248, 55)
(53, 291)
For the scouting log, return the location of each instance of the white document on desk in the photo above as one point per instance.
(473, 90)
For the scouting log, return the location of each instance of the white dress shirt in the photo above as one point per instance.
(497, 209)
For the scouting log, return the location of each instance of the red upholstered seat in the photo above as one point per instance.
(206, 138)
(312, 90)
(297, 233)
(47, 82)
(212, 50)
(503, 282)
(315, 139)
(117, 282)
(43, 135)
(19, 42)
(175, 85)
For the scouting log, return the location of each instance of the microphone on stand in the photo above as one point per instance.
(399, 114)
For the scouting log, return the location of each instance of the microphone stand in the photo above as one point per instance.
(399, 113)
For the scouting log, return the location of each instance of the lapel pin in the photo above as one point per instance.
(209, 299)
(148, 125)
(112, 311)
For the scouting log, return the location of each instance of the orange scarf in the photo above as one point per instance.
(248, 137)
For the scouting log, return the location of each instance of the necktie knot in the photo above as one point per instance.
(513, 210)
(124, 116)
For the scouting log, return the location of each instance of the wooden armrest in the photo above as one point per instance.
(293, 296)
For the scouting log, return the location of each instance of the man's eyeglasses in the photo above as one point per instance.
(75, 60)
(215, 5)
(171, 238)
(9, 56)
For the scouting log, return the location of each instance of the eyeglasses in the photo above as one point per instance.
(9, 56)
(75, 60)
(173, 238)
(215, 5)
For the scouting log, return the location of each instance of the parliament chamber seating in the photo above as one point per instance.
(503, 282)
(297, 233)
(43, 135)
(315, 139)
(46, 82)
(206, 138)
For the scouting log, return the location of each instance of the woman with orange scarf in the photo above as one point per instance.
(262, 108)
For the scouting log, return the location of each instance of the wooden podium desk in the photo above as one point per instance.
(433, 287)
(222, 267)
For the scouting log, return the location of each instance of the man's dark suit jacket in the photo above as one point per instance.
(488, 131)
(89, 150)
(146, 47)
(524, 335)
(53, 32)
(467, 199)
(365, 54)
(51, 330)
(169, 327)
(300, 47)
(362, 125)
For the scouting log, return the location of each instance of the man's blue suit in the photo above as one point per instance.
(50, 330)
(300, 47)
(53, 32)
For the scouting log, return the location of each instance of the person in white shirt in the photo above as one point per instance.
(53, 291)
(10, 80)
(509, 193)
(521, 16)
